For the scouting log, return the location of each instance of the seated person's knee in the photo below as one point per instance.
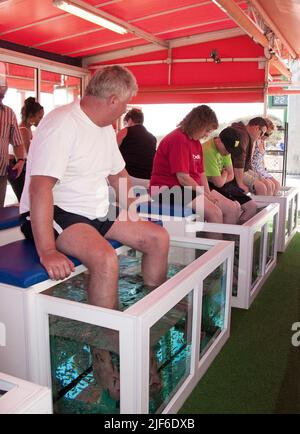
(260, 188)
(252, 207)
(213, 215)
(158, 239)
(104, 258)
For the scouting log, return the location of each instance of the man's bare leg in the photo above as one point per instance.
(231, 209)
(85, 243)
(150, 239)
(153, 241)
(212, 214)
(249, 210)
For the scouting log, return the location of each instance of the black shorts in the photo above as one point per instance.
(232, 191)
(63, 219)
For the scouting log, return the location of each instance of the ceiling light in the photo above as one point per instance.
(72, 8)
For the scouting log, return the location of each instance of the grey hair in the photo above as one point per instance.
(112, 80)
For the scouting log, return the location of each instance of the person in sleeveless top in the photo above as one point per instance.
(32, 112)
(138, 147)
(9, 134)
(258, 161)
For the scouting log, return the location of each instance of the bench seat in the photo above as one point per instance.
(9, 217)
(20, 265)
(162, 209)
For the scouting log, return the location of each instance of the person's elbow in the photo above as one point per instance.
(182, 178)
(217, 181)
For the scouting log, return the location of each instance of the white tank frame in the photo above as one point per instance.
(289, 194)
(133, 325)
(188, 226)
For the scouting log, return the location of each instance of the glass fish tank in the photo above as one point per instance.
(288, 200)
(254, 250)
(86, 359)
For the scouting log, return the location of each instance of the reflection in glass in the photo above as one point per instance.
(236, 239)
(235, 276)
(295, 219)
(257, 256)
(170, 354)
(84, 367)
(288, 219)
(271, 226)
(213, 307)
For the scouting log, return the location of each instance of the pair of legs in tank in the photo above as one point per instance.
(217, 207)
(86, 240)
(261, 185)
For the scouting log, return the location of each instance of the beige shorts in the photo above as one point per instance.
(249, 179)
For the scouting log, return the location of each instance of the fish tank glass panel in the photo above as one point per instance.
(170, 354)
(271, 226)
(288, 219)
(5, 387)
(236, 239)
(213, 307)
(257, 256)
(84, 367)
(85, 358)
(295, 216)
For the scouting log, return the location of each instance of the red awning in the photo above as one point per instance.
(170, 44)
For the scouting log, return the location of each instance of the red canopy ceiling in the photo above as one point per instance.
(171, 58)
(193, 76)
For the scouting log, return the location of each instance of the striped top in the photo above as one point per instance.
(9, 133)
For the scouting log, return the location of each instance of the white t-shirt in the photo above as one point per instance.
(68, 146)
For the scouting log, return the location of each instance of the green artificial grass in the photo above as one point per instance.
(258, 369)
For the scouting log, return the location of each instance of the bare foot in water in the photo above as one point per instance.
(155, 383)
(106, 373)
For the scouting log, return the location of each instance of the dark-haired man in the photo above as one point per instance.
(217, 153)
(243, 173)
(137, 146)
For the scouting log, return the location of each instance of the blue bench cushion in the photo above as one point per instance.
(162, 209)
(9, 217)
(20, 265)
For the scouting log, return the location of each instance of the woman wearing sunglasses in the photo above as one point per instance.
(258, 164)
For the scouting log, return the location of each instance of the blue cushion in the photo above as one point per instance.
(9, 217)
(20, 264)
(156, 208)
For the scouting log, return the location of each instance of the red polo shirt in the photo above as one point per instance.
(176, 153)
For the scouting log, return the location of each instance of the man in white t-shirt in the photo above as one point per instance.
(65, 206)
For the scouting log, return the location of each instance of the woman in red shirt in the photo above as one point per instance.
(178, 164)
